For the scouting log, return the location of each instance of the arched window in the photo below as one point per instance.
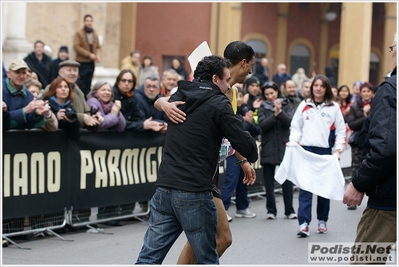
(260, 50)
(299, 58)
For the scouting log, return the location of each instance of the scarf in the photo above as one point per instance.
(88, 30)
(269, 105)
(60, 106)
(366, 102)
(106, 106)
(89, 34)
(128, 94)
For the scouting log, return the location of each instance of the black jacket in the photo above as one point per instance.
(72, 128)
(191, 149)
(356, 117)
(275, 131)
(43, 69)
(182, 72)
(377, 174)
(130, 109)
(252, 128)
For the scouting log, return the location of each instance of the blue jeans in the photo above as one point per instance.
(174, 211)
(234, 177)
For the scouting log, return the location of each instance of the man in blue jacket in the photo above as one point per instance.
(146, 96)
(376, 176)
(25, 112)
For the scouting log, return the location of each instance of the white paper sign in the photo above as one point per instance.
(198, 54)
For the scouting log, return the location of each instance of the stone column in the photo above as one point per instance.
(323, 50)
(226, 20)
(282, 31)
(15, 44)
(355, 42)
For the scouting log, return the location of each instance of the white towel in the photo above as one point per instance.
(318, 174)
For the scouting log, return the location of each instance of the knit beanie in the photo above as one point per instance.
(251, 80)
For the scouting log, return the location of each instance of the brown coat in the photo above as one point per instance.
(82, 47)
(127, 63)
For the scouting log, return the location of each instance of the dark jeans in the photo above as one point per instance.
(86, 71)
(234, 177)
(288, 190)
(305, 197)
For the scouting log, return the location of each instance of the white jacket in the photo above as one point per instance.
(312, 127)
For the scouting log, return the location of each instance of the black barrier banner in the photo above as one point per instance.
(35, 172)
(45, 172)
(115, 168)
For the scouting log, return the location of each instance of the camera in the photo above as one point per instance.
(93, 111)
(71, 114)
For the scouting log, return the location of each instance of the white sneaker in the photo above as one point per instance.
(322, 227)
(292, 216)
(245, 214)
(271, 216)
(303, 230)
(229, 219)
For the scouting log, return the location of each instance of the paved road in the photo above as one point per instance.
(255, 241)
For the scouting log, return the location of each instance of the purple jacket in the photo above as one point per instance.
(110, 120)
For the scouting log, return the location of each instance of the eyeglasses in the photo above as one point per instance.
(391, 48)
(125, 80)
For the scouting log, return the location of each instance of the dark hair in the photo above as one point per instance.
(38, 42)
(237, 51)
(329, 96)
(349, 97)
(268, 85)
(147, 57)
(134, 52)
(209, 66)
(53, 87)
(119, 77)
(239, 89)
(87, 16)
(367, 85)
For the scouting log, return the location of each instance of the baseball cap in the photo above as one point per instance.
(18, 64)
(64, 48)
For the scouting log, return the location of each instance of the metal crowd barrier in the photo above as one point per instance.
(96, 215)
(34, 225)
(46, 223)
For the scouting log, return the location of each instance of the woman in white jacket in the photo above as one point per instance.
(317, 126)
